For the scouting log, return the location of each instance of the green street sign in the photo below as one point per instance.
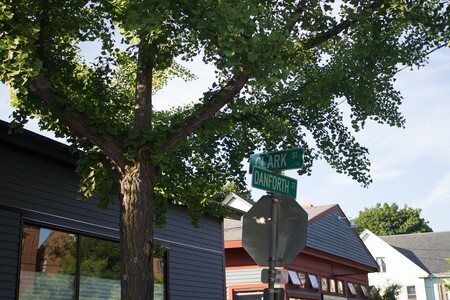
(278, 160)
(272, 182)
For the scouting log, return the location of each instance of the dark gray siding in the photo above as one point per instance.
(179, 230)
(10, 233)
(47, 192)
(195, 274)
(44, 190)
(346, 243)
(196, 269)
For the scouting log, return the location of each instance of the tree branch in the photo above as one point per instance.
(338, 28)
(220, 98)
(198, 118)
(41, 88)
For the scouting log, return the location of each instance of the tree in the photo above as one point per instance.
(389, 293)
(283, 68)
(390, 219)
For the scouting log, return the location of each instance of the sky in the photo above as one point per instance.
(410, 166)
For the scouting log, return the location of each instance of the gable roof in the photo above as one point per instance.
(233, 228)
(427, 250)
(325, 233)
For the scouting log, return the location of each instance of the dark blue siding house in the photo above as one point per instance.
(56, 247)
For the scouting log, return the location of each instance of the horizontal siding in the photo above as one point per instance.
(195, 274)
(241, 277)
(346, 243)
(40, 187)
(10, 232)
(180, 230)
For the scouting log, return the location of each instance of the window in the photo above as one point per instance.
(257, 295)
(60, 265)
(351, 288)
(340, 287)
(297, 278)
(332, 286)
(294, 277)
(324, 283)
(382, 264)
(365, 290)
(48, 264)
(302, 277)
(314, 281)
(411, 290)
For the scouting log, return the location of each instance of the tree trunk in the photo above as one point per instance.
(136, 231)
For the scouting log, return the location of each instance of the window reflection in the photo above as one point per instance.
(314, 281)
(50, 264)
(44, 273)
(99, 269)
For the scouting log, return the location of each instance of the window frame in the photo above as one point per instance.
(365, 290)
(78, 237)
(412, 296)
(303, 279)
(324, 279)
(340, 287)
(317, 281)
(333, 286)
(352, 288)
(381, 261)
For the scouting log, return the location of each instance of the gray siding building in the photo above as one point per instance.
(41, 220)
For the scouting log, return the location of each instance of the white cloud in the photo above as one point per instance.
(386, 174)
(439, 194)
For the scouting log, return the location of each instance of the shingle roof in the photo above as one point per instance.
(233, 228)
(326, 233)
(427, 250)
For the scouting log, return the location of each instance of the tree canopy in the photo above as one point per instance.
(284, 68)
(389, 219)
(389, 292)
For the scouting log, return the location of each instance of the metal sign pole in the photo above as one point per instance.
(273, 247)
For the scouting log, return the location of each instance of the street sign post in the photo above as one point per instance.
(281, 276)
(290, 235)
(275, 294)
(278, 160)
(273, 233)
(274, 229)
(269, 181)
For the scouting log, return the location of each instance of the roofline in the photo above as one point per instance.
(37, 144)
(324, 213)
(29, 142)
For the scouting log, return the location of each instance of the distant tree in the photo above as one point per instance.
(390, 219)
(389, 293)
(232, 187)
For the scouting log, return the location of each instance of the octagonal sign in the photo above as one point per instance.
(290, 235)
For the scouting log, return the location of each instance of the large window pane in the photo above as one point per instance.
(99, 269)
(159, 270)
(314, 281)
(47, 261)
(50, 265)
